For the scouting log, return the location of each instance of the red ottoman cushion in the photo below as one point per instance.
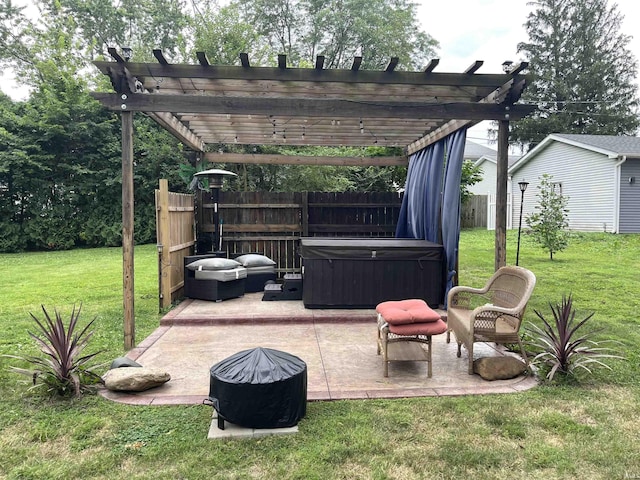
(425, 328)
(404, 312)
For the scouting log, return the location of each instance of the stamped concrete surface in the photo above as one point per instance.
(338, 346)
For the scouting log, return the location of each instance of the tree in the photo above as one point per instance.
(140, 24)
(60, 158)
(340, 30)
(549, 223)
(471, 174)
(223, 35)
(583, 72)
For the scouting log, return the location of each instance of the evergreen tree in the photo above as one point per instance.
(583, 72)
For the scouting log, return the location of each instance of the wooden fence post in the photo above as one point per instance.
(305, 214)
(164, 245)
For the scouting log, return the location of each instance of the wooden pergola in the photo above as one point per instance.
(205, 105)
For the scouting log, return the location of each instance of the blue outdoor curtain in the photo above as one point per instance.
(420, 211)
(451, 203)
(431, 204)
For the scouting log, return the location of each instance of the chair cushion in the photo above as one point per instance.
(403, 312)
(424, 328)
(222, 275)
(260, 270)
(254, 260)
(213, 264)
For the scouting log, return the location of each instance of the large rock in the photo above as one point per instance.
(499, 368)
(134, 379)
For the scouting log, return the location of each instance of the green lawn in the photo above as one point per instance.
(586, 428)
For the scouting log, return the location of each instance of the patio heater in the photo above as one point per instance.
(215, 177)
(523, 187)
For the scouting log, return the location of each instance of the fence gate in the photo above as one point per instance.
(176, 237)
(491, 212)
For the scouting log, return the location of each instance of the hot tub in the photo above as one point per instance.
(362, 272)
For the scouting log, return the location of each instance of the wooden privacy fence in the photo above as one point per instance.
(175, 238)
(473, 213)
(272, 223)
(262, 222)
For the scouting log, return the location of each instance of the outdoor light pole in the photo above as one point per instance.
(523, 186)
(215, 177)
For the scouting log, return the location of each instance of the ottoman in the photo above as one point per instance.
(407, 321)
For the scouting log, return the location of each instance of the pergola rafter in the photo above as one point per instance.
(204, 105)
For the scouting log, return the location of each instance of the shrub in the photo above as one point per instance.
(62, 368)
(559, 345)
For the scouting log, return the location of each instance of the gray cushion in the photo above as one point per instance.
(213, 264)
(262, 269)
(222, 275)
(254, 260)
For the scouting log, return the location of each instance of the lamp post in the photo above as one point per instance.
(523, 186)
(215, 177)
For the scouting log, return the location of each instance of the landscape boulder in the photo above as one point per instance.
(134, 379)
(499, 368)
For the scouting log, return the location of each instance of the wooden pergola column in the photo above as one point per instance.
(501, 194)
(127, 230)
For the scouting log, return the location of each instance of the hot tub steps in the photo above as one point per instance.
(290, 289)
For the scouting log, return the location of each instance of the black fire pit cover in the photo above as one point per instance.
(260, 388)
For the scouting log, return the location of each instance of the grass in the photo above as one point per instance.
(585, 428)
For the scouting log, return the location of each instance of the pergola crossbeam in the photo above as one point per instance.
(293, 107)
(276, 159)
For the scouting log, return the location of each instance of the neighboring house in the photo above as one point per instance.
(474, 151)
(486, 159)
(599, 174)
(489, 166)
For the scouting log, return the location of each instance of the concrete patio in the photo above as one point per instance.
(338, 346)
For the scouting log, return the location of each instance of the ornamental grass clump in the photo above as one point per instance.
(560, 345)
(62, 368)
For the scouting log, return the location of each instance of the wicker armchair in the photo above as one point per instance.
(493, 313)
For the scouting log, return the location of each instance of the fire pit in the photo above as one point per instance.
(259, 388)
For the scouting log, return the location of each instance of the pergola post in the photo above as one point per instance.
(127, 230)
(501, 194)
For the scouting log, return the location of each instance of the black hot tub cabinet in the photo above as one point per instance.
(362, 272)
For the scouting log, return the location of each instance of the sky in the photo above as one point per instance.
(468, 30)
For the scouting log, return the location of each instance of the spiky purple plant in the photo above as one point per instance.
(62, 368)
(561, 347)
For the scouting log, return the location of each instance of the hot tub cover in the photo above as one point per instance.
(260, 388)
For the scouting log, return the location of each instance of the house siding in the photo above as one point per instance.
(487, 185)
(587, 178)
(630, 197)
